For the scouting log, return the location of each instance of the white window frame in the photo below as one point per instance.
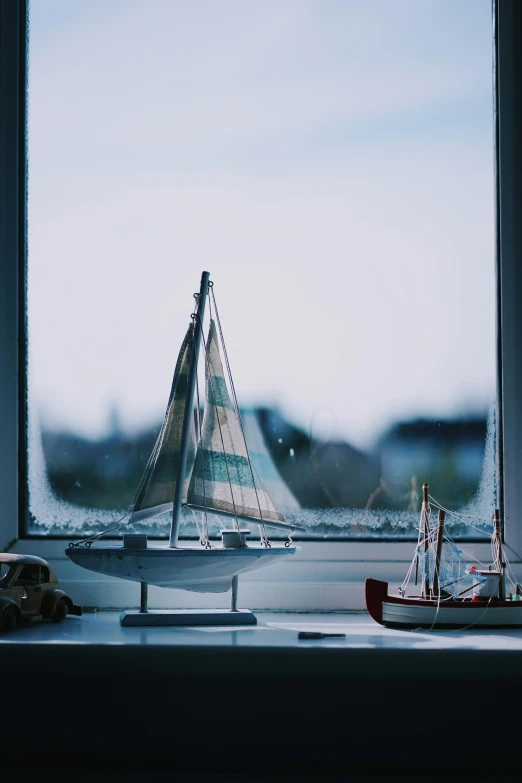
(323, 576)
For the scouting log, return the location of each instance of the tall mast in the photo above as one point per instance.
(188, 412)
(500, 557)
(425, 515)
(440, 535)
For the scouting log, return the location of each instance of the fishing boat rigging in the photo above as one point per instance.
(453, 593)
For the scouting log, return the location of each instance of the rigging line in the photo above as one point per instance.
(149, 468)
(464, 551)
(151, 462)
(238, 414)
(507, 546)
(456, 581)
(114, 526)
(457, 514)
(236, 406)
(420, 543)
(195, 519)
(482, 529)
(423, 515)
(450, 540)
(95, 536)
(200, 433)
(463, 592)
(207, 359)
(511, 575)
(457, 629)
(437, 611)
(458, 552)
(465, 628)
(426, 566)
(146, 475)
(509, 569)
(479, 529)
(474, 527)
(407, 578)
(469, 524)
(493, 555)
(414, 562)
(514, 552)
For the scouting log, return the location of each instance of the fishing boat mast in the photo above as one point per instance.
(188, 411)
(425, 516)
(500, 565)
(438, 556)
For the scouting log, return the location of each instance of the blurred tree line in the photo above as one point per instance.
(448, 454)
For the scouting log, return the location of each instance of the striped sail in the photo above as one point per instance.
(224, 478)
(155, 493)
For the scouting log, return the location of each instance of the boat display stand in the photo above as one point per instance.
(187, 617)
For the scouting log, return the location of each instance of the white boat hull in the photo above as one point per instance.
(185, 568)
(425, 616)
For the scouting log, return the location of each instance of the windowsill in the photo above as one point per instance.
(274, 631)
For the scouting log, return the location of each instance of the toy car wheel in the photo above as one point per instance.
(9, 619)
(60, 611)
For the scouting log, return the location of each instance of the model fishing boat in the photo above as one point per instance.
(198, 464)
(453, 594)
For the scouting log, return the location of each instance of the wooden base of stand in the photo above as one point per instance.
(184, 617)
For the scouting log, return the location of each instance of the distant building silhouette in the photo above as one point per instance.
(331, 474)
(447, 453)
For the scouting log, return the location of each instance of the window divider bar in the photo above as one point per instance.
(13, 69)
(508, 174)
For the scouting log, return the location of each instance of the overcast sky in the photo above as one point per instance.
(330, 162)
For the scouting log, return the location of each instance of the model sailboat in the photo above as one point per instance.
(200, 465)
(453, 594)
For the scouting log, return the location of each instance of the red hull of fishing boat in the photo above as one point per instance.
(412, 612)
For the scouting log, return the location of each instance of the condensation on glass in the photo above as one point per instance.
(331, 165)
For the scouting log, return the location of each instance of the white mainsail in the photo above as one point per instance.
(155, 492)
(224, 478)
(264, 463)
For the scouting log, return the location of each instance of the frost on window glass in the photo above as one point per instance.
(331, 165)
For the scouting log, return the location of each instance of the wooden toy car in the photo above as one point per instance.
(30, 590)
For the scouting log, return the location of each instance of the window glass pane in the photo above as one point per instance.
(331, 164)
